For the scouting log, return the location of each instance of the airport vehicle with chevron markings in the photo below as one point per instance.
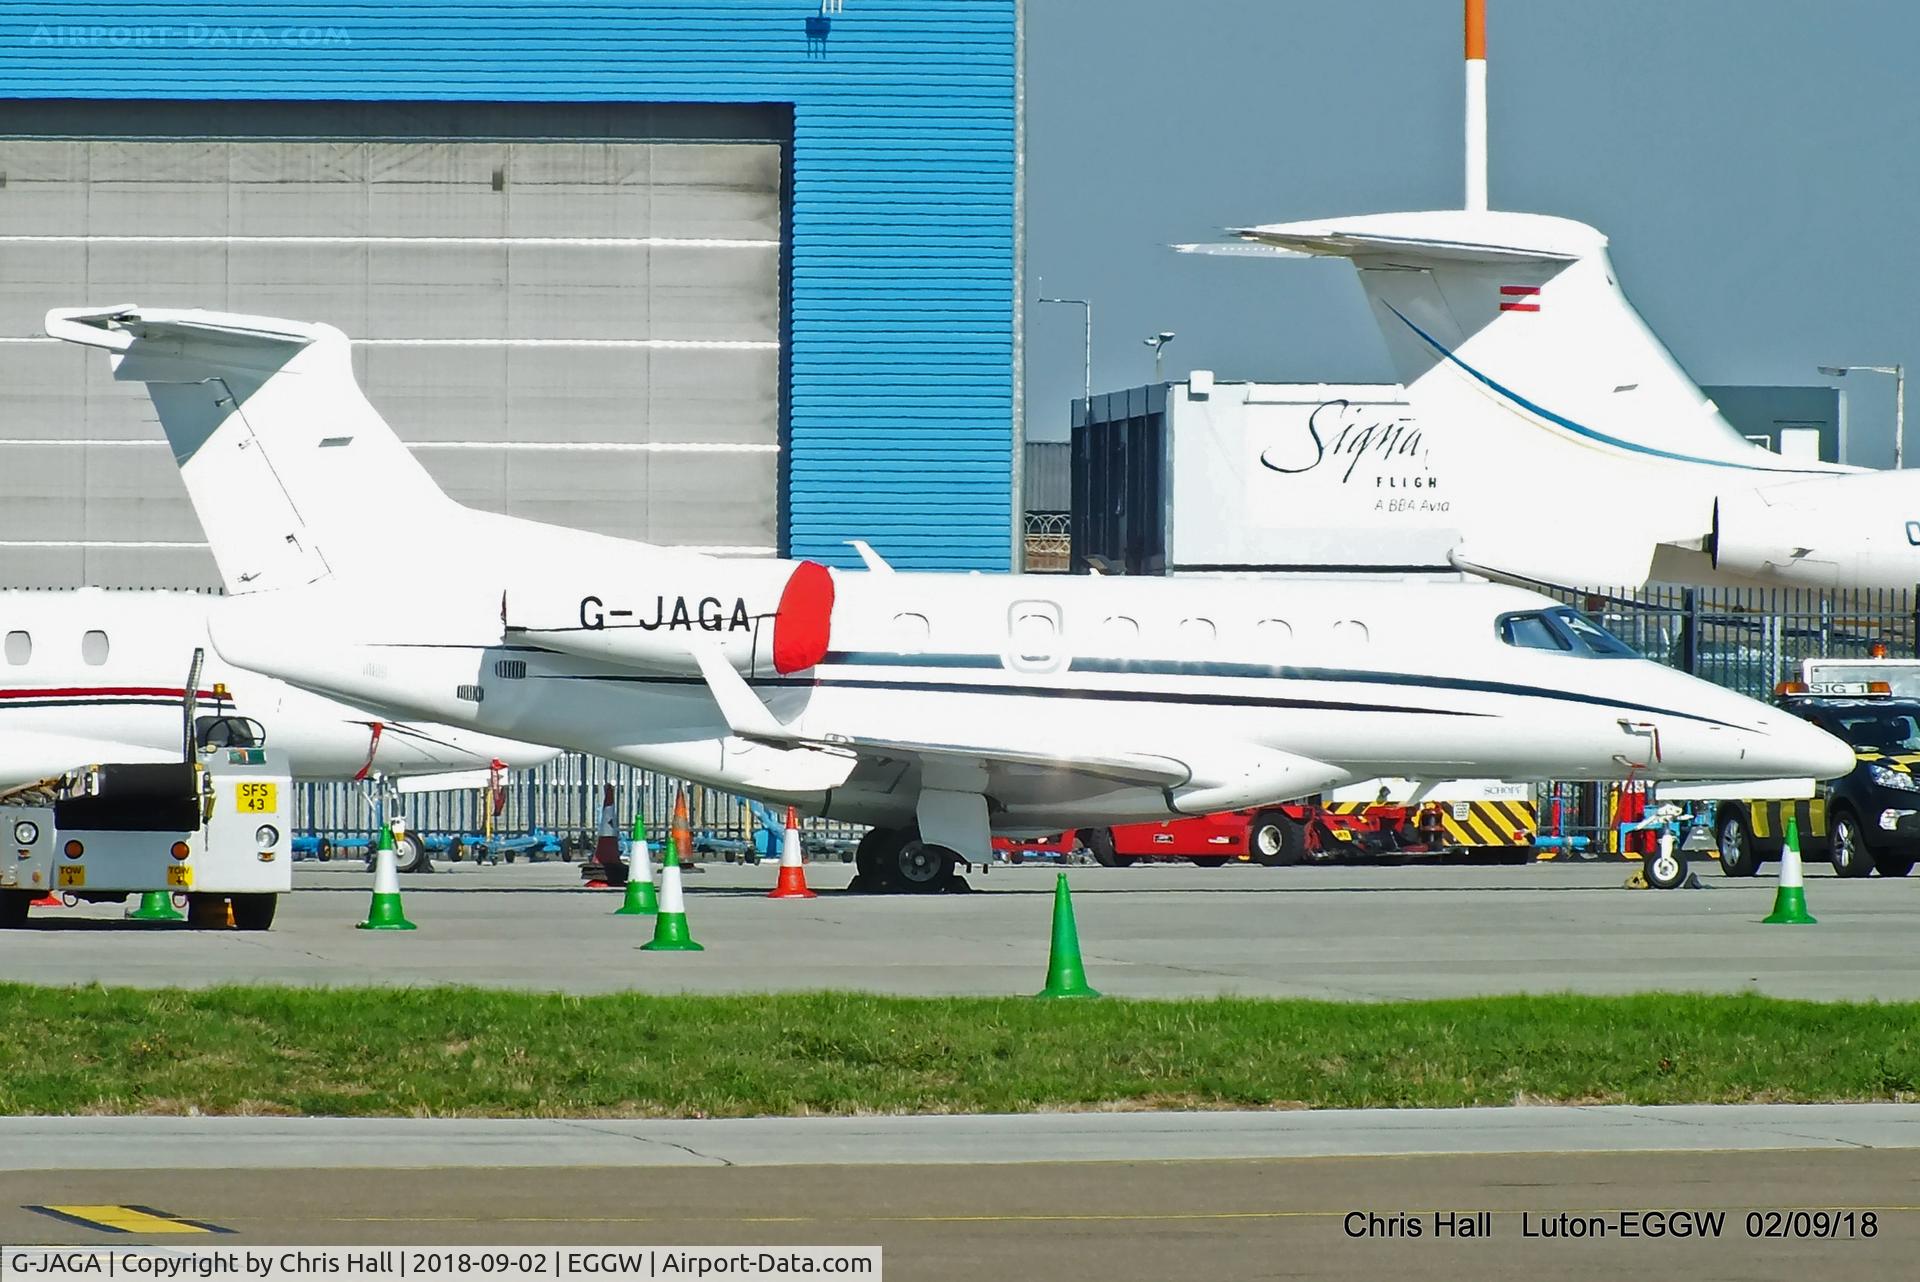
(1865, 821)
(1374, 818)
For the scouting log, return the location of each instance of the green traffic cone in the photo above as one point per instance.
(156, 905)
(1066, 976)
(641, 900)
(1790, 900)
(384, 913)
(670, 933)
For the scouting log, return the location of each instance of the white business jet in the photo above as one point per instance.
(1568, 445)
(940, 708)
(91, 676)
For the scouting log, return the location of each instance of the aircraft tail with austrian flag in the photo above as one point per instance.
(1513, 329)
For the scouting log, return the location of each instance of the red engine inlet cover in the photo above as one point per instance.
(804, 620)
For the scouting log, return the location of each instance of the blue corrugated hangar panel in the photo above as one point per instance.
(900, 340)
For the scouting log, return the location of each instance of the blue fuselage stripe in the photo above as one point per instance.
(1581, 429)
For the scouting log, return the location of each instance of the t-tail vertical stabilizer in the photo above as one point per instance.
(1515, 326)
(270, 429)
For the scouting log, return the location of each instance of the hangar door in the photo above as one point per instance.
(570, 312)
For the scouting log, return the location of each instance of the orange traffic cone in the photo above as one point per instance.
(793, 872)
(682, 827)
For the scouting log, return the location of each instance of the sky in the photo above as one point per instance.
(1756, 164)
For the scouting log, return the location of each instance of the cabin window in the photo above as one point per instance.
(1197, 632)
(1351, 632)
(93, 648)
(1119, 634)
(1033, 635)
(19, 648)
(910, 633)
(1273, 632)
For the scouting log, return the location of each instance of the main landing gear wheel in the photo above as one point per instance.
(869, 857)
(921, 867)
(1665, 869)
(1736, 847)
(1275, 840)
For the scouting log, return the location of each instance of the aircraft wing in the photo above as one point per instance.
(1198, 779)
(27, 757)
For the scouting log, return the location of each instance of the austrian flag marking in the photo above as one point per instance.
(1519, 298)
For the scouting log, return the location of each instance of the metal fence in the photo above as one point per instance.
(1748, 639)
(561, 797)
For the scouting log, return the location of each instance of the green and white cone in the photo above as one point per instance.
(156, 905)
(670, 933)
(1790, 900)
(641, 900)
(385, 912)
(1066, 976)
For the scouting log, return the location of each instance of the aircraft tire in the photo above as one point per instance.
(1099, 844)
(13, 908)
(869, 857)
(410, 853)
(1275, 840)
(1665, 870)
(920, 867)
(1737, 855)
(254, 912)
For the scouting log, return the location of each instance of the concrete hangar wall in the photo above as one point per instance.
(735, 274)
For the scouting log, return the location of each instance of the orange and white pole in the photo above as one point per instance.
(1476, 104)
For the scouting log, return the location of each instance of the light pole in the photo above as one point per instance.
(1156, 342)
(1086, 365)
(1899, 373)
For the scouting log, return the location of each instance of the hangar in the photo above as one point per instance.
(715, 274)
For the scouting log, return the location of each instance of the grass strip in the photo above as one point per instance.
(473, 1052)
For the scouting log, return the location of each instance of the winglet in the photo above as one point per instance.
(874, 561)
(746, 715)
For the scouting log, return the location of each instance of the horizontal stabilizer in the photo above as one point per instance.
(1533, 559)
(1242, 249)
(1441, 235)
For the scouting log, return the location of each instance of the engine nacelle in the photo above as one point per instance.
(763, 617)
(1854, 530)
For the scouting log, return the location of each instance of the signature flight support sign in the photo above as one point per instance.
(1324, 475)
